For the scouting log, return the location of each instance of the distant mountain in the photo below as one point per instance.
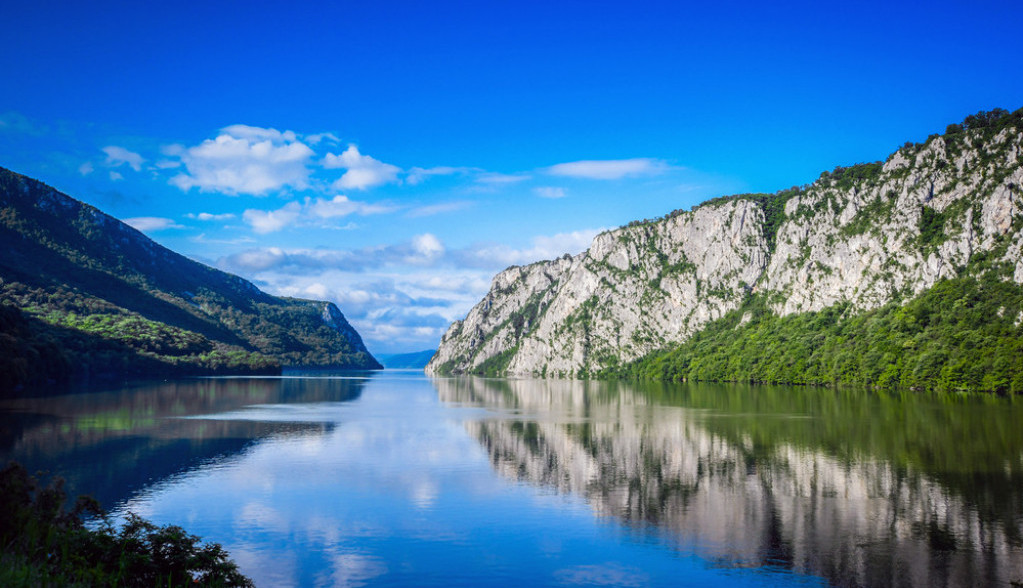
(112, 301)
(407, 361)
(903, 273)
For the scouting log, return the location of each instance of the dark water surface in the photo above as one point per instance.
(397, 479)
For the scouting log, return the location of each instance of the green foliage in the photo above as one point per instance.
(496, 365)
(59, 347)
(963, 334)
(44, 544)
(27, 355)
(110, 295)
(995, 119)
(844, 178)
(869, 216)
(931, 226)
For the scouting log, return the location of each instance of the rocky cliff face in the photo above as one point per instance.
(866, 235)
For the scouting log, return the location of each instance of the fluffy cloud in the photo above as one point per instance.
(118, 156)
(399, 296)
(244, 160)
(394, 311)
(310, 212)
(205, 216)
(363, 171)
(543, 247)
(424, 250)
(609, 169)
(268, 221)
(151, 223)
(343, 206)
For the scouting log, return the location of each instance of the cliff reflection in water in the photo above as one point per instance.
(858, 487)
(111, 444)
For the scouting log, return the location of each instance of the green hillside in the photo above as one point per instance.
(88, 292)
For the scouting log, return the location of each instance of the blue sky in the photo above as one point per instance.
(392, 156)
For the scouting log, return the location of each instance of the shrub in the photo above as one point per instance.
(45, 544)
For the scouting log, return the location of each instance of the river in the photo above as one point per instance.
(394, 478)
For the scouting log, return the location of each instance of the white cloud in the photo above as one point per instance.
(320, 137)
(343, 206)
(115, 176)
(151, 223)
(244, 160)
(118, 156)
(549, 192)
(418, 175)
(422, 250)
(363, 171)
(202, 238)
(268, 221)
(496, 178)
(543, 247)
(205, 216)
(86, 168)
(395, 308)
(609, 169)
(427, 248)
(401, 296)
(310, 212)
(317, 290)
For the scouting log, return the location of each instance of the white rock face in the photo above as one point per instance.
(894, 231)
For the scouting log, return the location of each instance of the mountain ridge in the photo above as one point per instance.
(72, 266)
(863, 236)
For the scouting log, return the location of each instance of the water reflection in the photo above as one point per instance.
(113, 443)
(861, 488)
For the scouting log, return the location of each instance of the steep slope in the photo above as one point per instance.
(862, 236)
(77, 268)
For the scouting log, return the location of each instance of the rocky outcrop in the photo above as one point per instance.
(864, 235)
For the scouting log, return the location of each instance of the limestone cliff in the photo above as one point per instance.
(866, 235)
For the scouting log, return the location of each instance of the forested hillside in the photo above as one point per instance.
(87, 292)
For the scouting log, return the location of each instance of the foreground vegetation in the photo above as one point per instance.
(962, 334)
(44, 544)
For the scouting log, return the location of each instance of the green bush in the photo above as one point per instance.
(43, 544)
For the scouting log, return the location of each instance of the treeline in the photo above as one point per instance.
(43, 543)
(963, 334)
(61, 347)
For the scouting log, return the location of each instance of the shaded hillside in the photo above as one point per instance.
(74, 267)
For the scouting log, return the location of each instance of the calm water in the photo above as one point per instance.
(397, 479)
